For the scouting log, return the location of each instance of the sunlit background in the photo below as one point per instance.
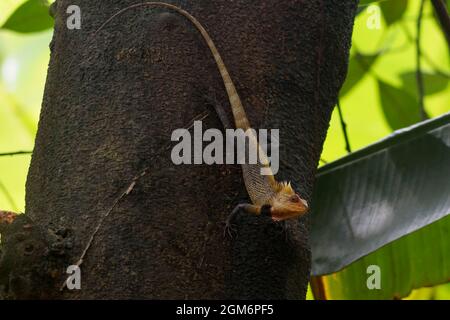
(383, 56)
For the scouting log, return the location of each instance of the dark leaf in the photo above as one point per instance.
(393, 10)
(358, 66)
(399, 107)
(433, 83)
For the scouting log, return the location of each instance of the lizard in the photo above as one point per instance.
(271, 198)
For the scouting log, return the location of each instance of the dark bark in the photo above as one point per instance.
(110, 106)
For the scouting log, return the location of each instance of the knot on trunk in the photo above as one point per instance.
(32, 258)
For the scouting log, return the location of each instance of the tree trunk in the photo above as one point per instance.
(111, 104)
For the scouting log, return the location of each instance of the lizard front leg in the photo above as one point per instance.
(247, 208)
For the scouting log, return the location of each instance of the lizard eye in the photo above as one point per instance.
(295, 198)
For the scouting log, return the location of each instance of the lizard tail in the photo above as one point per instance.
(239, 115)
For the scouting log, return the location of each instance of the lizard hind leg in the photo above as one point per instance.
(242, 207)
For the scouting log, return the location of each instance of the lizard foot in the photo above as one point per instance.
(242, 207)
(229, 230)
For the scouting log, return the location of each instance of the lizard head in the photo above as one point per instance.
(287, 203)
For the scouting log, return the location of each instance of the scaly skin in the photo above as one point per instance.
(268, 196)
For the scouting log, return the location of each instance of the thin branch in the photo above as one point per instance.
(344, 128)
(443, 17)
(15, 153)
(425, 56)
(419, 77)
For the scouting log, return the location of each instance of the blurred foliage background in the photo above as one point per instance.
(380, 94)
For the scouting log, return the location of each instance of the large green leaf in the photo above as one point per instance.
(417, 260)
(400, 108)
(381, 193)
(31, 16)
(393, 10)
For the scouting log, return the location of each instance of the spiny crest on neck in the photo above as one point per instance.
(285, 187)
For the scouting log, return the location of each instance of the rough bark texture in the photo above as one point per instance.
(112, 103)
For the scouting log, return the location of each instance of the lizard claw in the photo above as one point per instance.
(229, 230)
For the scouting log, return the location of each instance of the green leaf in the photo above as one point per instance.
(31, 16)
(399, 107)
(433, 83)
(379, 194)
(358, 66)
(418, 260)
(393, 10)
